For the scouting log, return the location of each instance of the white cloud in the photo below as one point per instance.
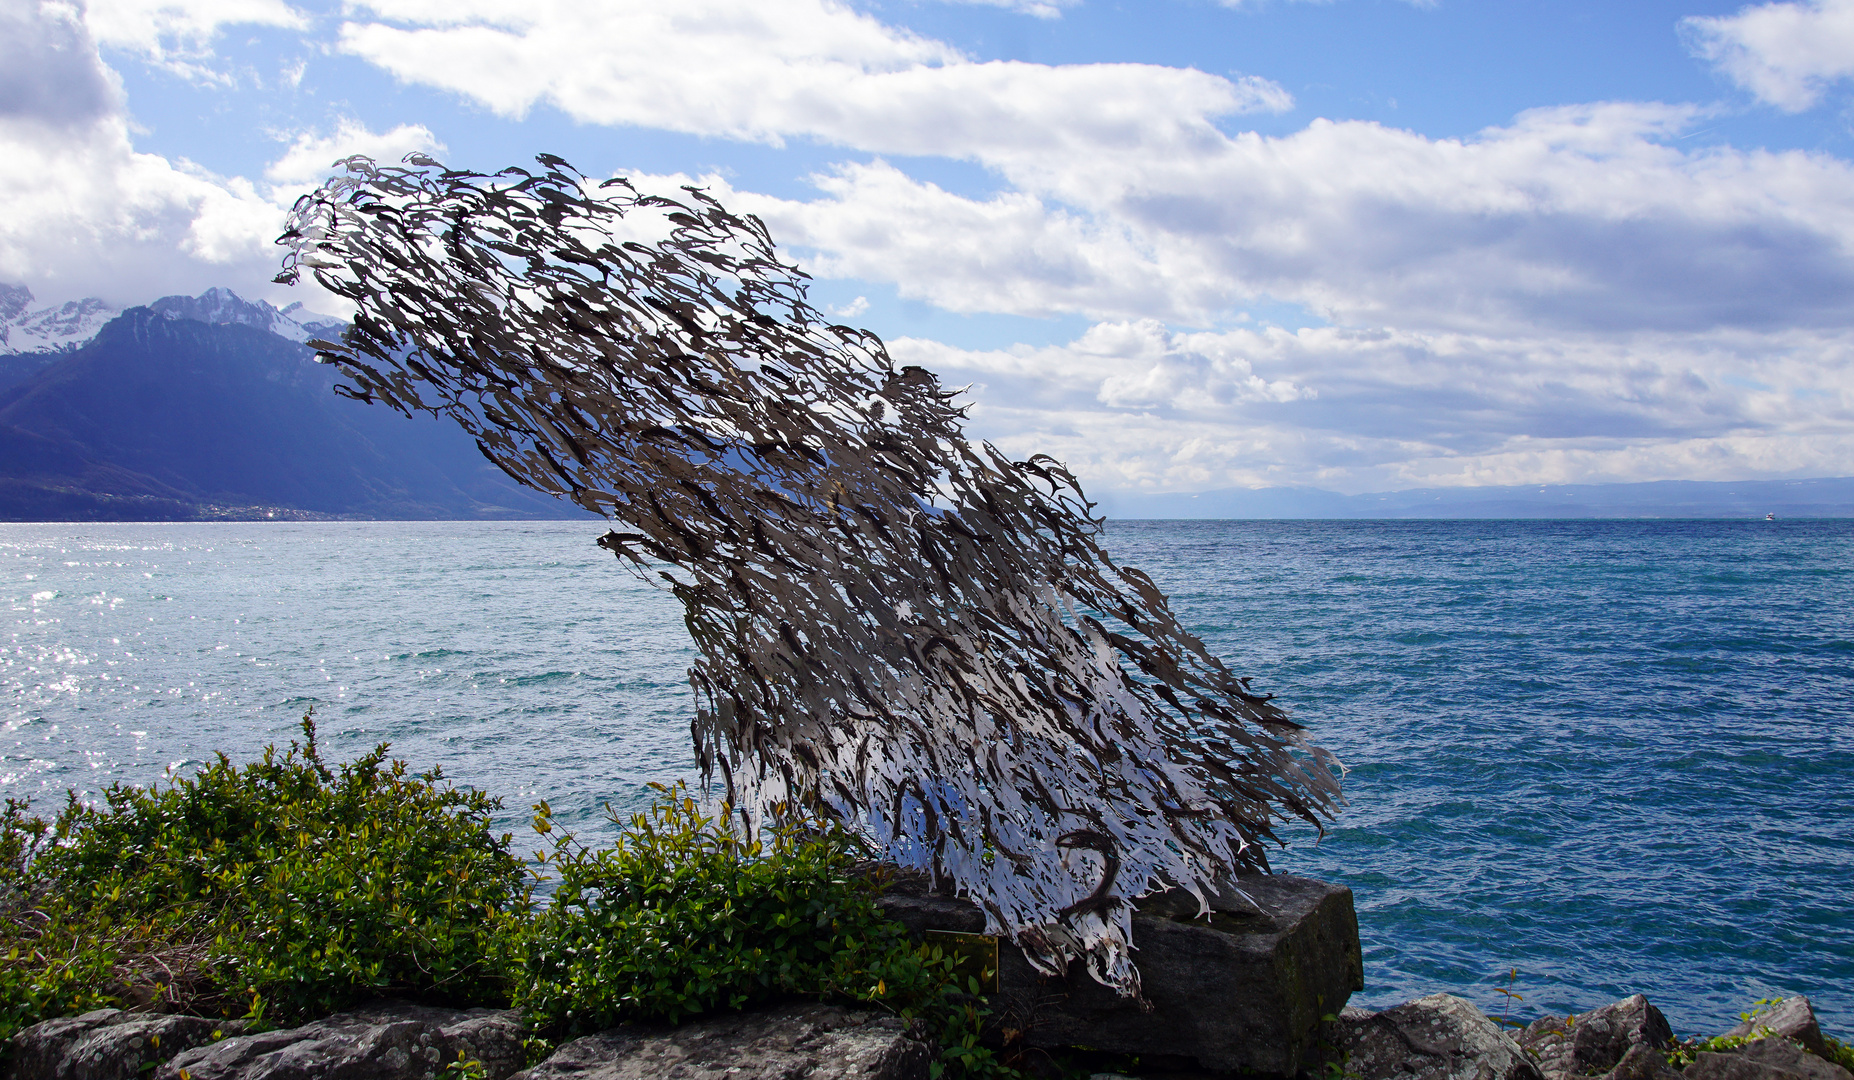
(1787, 54)
(790, 68)
(178, 34)
(1131, 406)
(47, 73)
(1582, 219)
(311, 157)
(88, 216)
(1125, 199)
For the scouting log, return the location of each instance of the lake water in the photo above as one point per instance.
(1613, 755)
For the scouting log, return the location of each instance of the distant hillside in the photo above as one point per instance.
(172, 418)
(1657, 499)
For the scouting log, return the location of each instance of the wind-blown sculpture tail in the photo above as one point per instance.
(914, 634)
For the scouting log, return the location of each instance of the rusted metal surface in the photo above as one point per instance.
(908, 631)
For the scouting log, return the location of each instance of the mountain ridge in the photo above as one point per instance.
(160, 416)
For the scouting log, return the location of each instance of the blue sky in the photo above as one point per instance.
(1184, 245)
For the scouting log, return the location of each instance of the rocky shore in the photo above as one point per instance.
(1439, 1037)
(1256, 987)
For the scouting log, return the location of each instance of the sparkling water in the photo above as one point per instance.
(1615, 756)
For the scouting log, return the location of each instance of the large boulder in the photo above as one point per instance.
(1765, 1059)
(1439, 1037)
(383, 1040)
(1242, 989)
(1595, 1042)
(1791, 1056)
(817, 1042)
(1792, 1018)
(107, 1044)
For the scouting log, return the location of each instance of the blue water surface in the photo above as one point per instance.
(1614, 756)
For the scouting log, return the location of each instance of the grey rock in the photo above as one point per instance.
(1643, 1062)
(1596, 1041)
(1793, 1018)
(1792, 1057)
(817, 1042)
(1439, 1037)
(1710, 1066)
(1244, 989)
(107, 1044)
(383, 1040)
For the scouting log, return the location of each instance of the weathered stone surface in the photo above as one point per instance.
(1243, 989)
(1643, 1062)
(1765, 1059)
(383, 1040)
(817, 1042)
(107, 1044)
(1792, 1018)
(1781, 1053)
(1709, 1066)
(1596, 1041)
(1439, 1037)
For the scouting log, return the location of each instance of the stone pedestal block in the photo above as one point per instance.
(1241, 990)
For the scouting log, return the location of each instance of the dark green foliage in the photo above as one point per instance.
(1839, 1052)
(282, 889)
(57, 961)
(683, 917)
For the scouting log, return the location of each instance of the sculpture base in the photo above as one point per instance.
(1243, 990)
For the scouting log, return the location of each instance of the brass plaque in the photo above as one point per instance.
(976, 956)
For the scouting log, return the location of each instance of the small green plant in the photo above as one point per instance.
(464, 1068)
(1683, 1052)
(1511, 996)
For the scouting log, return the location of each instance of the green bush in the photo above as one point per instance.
(683, 917)
(281, 889)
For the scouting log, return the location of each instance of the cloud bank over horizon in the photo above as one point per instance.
(1190, 282)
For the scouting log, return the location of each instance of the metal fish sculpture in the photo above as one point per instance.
(908, 632)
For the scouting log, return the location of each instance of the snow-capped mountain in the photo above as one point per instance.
(221, 307)
(52, 329)
(25, 329)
